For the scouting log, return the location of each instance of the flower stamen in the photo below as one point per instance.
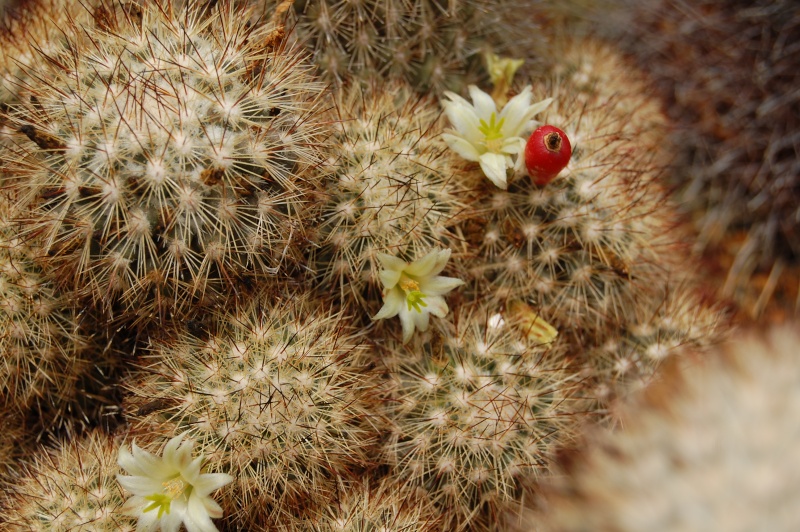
(414, 298)
(160, 501)
(493, 133)
(174, 487)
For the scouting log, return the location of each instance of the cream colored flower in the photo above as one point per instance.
(414, 291)
(170, 490)
(489, 138)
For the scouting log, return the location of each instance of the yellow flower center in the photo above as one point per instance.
(492, 133)
(414, 298)
(175, 486)
(173, 489)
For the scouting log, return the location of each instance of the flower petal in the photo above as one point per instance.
(392, 304)
(422, 319)
(390, 278)
(438, 286)
(494, 167)
(461, 146)
(208, 482)
(513, 145)
(408, 323)
(132, 466)
(212, 507)
(171, 522)
(483, 102)
(390, 262)
(147, 522)
(461, 115)
(152, 466)
(519, 112)
(537, 108)
(514, 113)
(133, 506)
(197, 518)
(430, 264)
(141, 486)
(437, 306)
(170, 454)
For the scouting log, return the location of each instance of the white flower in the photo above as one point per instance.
(414, 291)
(483, 135)
(170, 490)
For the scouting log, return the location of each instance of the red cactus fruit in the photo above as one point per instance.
(546, 154)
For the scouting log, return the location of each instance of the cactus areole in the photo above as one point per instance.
(547, 153)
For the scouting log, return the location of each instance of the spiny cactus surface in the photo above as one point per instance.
(432, 44)
(51, 363)
(394, 189)
(275, 392)
(166, 155)
(72, 487)
(474, 410)
(590, 248)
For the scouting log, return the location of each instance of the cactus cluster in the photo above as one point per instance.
(176, 174)
(366, 507)
(28, 31)
(394, 187)
(432, 44)
(475, 408)
(163, 156)
(51, 359)
(592, 248)
(630, 360)
(71, 487)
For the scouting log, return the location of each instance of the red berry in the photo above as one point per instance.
(546, 154)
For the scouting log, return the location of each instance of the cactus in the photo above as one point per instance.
(28, 31)
(631, 358)
(727, 71)
(52, 367)
(394, 188)
(16, 443)
(272, 393)
(432, 44)
(712, 446)
(593, 246)
(178, 163)
(71, 487)
(475, 408)
(376, 507)
(166, 156)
